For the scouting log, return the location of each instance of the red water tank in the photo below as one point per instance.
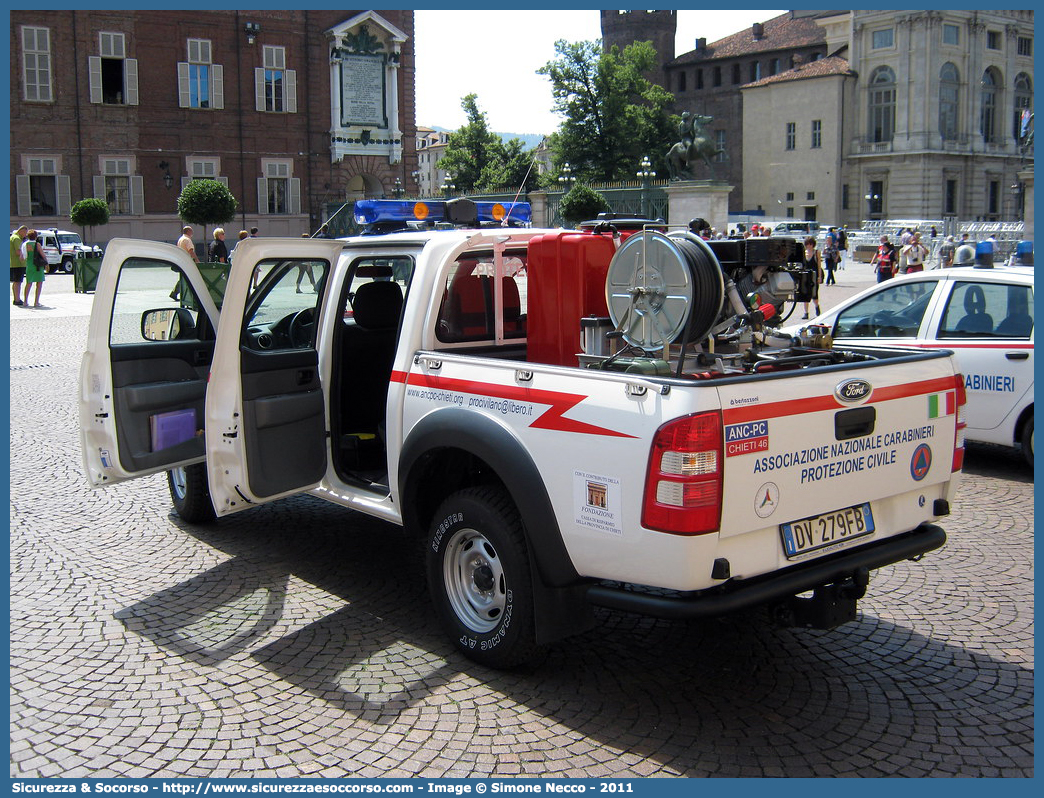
(566, 279)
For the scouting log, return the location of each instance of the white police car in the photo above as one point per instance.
(985, 315)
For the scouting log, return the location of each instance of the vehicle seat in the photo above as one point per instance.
(1017, 325)
(514, 321)
(976, 321)
(367, 352)
(464, 311)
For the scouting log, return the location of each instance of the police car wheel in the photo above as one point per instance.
(1027, 441)
(479, 578)
(67, 266)
(190, 493)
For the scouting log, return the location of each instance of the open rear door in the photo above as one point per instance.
(266, 418)
(143, 378)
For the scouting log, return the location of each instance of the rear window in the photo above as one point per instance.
(479, 307)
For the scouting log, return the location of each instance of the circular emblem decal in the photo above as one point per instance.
(766, 500)
(853, 390)
(921, 462)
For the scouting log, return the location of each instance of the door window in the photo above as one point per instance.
(895, 311)
(281, 313)
(988, 310)
(154, 302)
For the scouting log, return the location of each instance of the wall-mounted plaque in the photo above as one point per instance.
(363, 91)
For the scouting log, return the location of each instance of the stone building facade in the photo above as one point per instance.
(295, 111)
(708, 80)
(843, 116)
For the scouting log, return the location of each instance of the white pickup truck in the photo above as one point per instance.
(461, 383)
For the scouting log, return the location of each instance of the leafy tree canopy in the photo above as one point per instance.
(207, 202)
(90, 212)
(478, 160)
(582, 203)
(613, 115)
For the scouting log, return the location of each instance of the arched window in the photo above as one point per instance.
(1023, 102)
(882, 105)
(949, 89)
(991, 83)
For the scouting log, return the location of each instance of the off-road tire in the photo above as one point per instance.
(479, 578)
(190, 493)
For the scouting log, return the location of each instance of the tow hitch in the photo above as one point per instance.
(829, 605)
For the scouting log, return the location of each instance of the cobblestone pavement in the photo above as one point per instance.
(297, 640)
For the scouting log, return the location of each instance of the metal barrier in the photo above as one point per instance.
(85, 274)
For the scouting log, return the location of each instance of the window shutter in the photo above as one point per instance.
(295, 195)
(262, 195)
(291, 90)
(130, 81)
(259, 88)
(217, 86)
(184, 97)
(25, 199)
(137, 195)
(99, 186)
(94, 73)
(64, 192)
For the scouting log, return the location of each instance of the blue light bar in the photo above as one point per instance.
(375, 211)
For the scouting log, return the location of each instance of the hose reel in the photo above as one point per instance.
(664, 289)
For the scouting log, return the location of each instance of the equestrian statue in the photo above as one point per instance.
(695, 143)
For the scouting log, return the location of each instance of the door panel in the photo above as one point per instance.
(266, 410)
(143, 377)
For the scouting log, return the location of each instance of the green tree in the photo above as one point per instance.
(206, 202)
(478, 159)
(90, 212)
(582, 203)
(613, 116)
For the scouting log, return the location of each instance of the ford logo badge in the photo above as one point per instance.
(853, 390)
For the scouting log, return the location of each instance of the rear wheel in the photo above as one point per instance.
(190, 493)
(479, 578)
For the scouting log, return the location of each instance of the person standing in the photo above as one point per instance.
(35, 267)
(946, 252)
(830, 259)
(916, 254)
(242, 234)
(17, 264)
(842, 247)
(218, 252)
(185, 242)
(813, 265)
(884, 260)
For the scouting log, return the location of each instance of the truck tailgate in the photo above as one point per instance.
(829, 460)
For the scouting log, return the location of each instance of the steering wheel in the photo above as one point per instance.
(301, 327)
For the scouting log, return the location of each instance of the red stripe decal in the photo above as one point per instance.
(817, 404)
(551, 419)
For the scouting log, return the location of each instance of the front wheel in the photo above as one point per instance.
(190, 493)
(479, 578)
(67, 265)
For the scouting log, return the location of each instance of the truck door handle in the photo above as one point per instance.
(305, 376)
(1017, 355)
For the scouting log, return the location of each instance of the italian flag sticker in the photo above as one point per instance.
(942, 404)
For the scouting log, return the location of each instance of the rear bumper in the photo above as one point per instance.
(744, 593)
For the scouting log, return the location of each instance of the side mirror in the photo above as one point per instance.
(168, 324)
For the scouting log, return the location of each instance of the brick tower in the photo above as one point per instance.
(659, 27)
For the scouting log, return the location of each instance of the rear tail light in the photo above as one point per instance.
(958, 437)
(684, 481)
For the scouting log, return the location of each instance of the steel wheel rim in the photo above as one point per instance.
(475, 582)
(178, 482)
